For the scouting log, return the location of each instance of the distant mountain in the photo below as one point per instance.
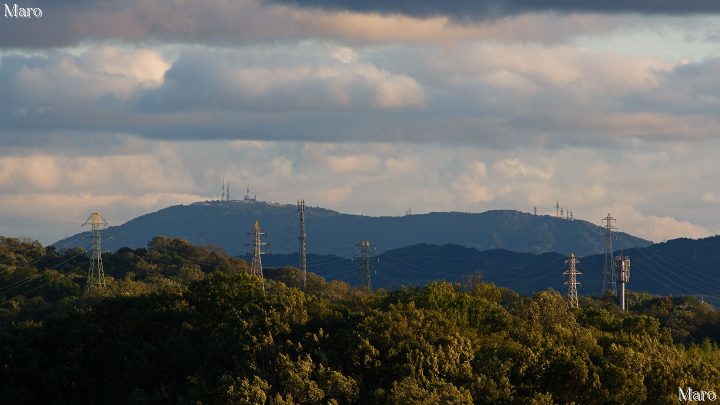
(419, 264)
(226, 224)
(676, 267)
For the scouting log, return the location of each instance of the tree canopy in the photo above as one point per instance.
(187, 324)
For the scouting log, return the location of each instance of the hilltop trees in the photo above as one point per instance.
(188, 324)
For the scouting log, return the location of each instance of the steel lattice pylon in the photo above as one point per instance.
(609, 282)
(571, 273)
(365, 267)
(302, 240)
(257, 252)
(96, 275)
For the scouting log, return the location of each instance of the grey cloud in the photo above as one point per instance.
(691, 89)
(216, 21)
(486, 9)
(476, 97)
(223, 22)
(256, 80)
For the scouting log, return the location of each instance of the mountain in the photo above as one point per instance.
(226, 224)
(419, 264)
(676, 267)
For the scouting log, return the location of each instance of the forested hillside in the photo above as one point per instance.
(226, 224)
(186, 324)
(675, 267)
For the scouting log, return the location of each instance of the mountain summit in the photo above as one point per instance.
(226, 224)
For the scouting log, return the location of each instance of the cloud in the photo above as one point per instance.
(515, 167)
(656, 227)
(485, 94)
(307, 77)
(47, 194)
(243, 22)
(488, 9)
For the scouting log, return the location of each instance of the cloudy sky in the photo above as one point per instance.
(363, 106)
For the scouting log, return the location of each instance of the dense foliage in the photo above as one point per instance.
(187, 324)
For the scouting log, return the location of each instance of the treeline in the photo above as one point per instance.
(187, 324)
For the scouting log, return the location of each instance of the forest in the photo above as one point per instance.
(180, 323)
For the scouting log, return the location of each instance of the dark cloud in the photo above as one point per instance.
(484, 9)
(173, 21)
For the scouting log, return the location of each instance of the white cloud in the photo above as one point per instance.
(515, 168)
(64, 81)
(656, 227)
(374, 179)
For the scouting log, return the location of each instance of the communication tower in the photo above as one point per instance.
(247, 197)
(622, 265)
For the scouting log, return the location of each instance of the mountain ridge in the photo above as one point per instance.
(226, 224)
(680, 266)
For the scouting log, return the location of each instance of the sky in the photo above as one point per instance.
(368, 107)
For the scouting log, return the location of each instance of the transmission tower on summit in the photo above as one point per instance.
(257, 252)
(247, 197)
(225, 197)
(302, 239)
(365, 267)
(609, 283)
(571, 274)
(96, 276)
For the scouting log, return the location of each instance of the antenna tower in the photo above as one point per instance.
(227, 192)
(257, 252)
(96, 276)
(365, 268)
(622, 264)
(247, 197)
(302, 239)
(572, 283)
(222, 198)
(609, 284)
(557, 209)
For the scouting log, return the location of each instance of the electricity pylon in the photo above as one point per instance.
(96, 276)
(257, 252)
(302, 239)
(365, 268)
(572, 283)
(609, 284)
